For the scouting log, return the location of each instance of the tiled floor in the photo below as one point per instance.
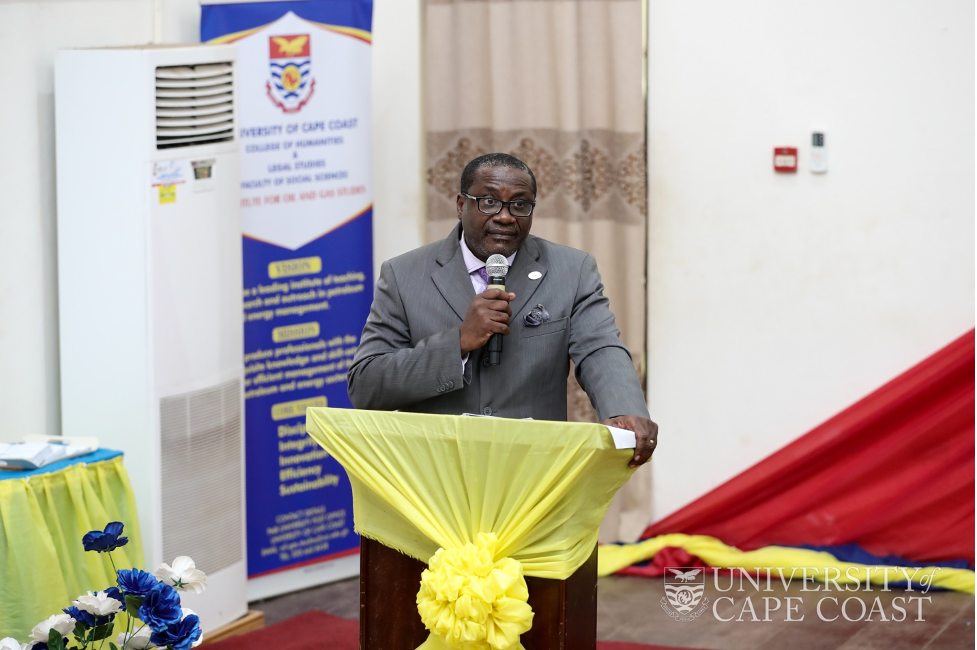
(631, 609)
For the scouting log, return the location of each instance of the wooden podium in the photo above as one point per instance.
(565, 611)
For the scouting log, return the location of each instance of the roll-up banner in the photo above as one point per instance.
(303, 120)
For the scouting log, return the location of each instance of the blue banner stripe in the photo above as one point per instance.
(347, 248)
(857, 555)
(219, 20)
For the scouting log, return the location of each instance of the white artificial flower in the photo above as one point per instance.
(10, 643)
(138, 640)
(183, 575)
(187, 612)
(60, 622)
(99, 604)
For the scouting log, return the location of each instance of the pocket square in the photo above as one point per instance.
(537, 316)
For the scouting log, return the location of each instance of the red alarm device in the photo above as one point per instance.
(785, 159)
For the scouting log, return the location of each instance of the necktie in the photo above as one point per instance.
(483, 274)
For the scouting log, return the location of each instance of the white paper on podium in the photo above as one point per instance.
(623, 439)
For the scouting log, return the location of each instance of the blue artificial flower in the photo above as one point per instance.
(136, 582)
(180, 635)
(161, 608)
(81, 616)
(107, 540)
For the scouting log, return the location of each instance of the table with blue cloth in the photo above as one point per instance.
(44, 513)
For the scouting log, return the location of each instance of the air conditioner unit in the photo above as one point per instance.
(150, 281)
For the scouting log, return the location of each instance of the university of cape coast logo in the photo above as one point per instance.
(291, 84)
(683, 592)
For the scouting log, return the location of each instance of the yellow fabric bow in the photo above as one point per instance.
(473, 601)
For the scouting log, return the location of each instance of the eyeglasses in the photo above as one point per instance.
(491, 205)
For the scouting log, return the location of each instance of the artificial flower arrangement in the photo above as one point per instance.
(152, 600)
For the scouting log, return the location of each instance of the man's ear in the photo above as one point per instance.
(460, 204)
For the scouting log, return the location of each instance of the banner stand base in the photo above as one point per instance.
(304, 577)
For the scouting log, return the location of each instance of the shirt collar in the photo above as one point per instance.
(472, 263)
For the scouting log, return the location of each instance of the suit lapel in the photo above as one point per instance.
(453, 282)
(518, 281)
(452, 278)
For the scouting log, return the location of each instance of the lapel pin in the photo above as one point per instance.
(535, 275)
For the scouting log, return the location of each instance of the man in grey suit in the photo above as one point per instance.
(422, 346)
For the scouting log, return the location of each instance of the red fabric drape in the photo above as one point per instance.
(893, 473)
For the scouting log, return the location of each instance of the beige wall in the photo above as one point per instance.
(30, 32)
(775, 301)
(398, 157)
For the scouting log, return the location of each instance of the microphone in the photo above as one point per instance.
(496, 268)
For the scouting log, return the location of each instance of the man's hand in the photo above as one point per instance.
(645, 433)
(488, 314)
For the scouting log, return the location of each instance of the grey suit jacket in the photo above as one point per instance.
(409, 356)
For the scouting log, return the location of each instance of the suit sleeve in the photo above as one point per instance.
(602, 362)
(387, 372)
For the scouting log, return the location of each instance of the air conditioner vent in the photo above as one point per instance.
(194, 105)
(201, 442)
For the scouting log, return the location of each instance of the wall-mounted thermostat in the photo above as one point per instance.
(819, 155)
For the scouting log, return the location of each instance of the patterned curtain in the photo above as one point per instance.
(556, 83)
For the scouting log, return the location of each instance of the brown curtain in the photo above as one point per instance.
(556, 83)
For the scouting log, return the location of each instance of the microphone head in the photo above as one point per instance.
(496, 266)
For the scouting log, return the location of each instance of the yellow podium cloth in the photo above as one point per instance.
(778, 560)
(43, 566)
(423, 482)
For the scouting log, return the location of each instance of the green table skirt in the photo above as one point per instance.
(43, 516)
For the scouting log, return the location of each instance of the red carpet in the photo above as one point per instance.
(319, 631)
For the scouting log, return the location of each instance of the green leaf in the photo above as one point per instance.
(133, 603)
(103, 631)
(79, 630)
(55, 641)
(112, 646)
